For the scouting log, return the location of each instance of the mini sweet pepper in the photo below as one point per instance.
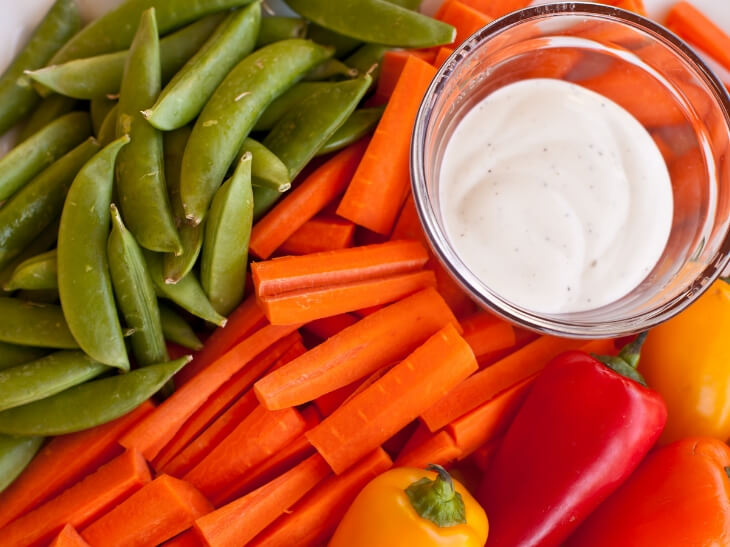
(412, 507)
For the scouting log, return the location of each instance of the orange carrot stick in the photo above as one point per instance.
(256, 438)
(637, 6)
(329, 402)
(439, 448)
(307, 305)
(82, 503)
(314, 518)
(463, 17)
(390, 71)
(381, 181)
(244, 321)
(69, 537)
(157, 429)
(322, 233)
(489, 420)
(64, 461)
(292, 273)
(157, 512)
(443, 54)
(486, 333)
(237, 523)
(189, 538)
(459, 301)
(327, 327)
(693, 25)
(356, 352)
(311, 196)
(393, 401)
(408, 225)
(487, 383)
(497, 8)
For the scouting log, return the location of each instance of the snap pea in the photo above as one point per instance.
(115, 30)
(267, 170)
(46, 376)
(89, 405)
(175, 329)
(140, 169)
(191, 237)
(84, 284)
(188, 91)
(108, 129)
(186, 293)
(331, 68)
(376, 21)
(135, 294)
(342, 44)
(49, 109)
(32, 324)
(36, 273)
(227, 232)
(41, 296)
(43, 242)
(12, 355)
(15, 455)
(17, 97)
(408, 4)
(232, 111)
(99, 107)
(35, 206)
(284, 102)
(34, 154)
(277, 28)
(367, 59)
(99, 76)
(359, 124)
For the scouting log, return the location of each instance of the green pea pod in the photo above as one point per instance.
(186, 94)
(35, 206)
(186, 293)
(84, 284)
(17, 97)
(359, 124)
(367, 59)
(285, 102)
(46, 377)
(99, 107)
(31, 324)
(267, 170)
(342, 44)
(191, 237)
(89, 405)
(12, 355)
(376, 21)
(331, 68)
(33, 155)
(42, 243)
(277, 28)
(231, 113)
(114, 31)
(108, 129)
(15, 455)
(135, 294)
(140, 169)
(99, 76)
(227, 232)
(50, 108)
(412, 5)
(35, 274)
(176, 330)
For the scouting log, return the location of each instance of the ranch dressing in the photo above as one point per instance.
(555, 197)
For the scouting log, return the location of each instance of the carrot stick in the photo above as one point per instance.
(482, 456)
(237, 523)
(82, 503)
(443, 54)
(322, 233)
(466, 19)
(485, 384)
(459, 302)
(157, 512)
(497, 8)
(408, 225)
(256, 438)
(243, 321)
(439, 448)
(311, 196)
(418, 436)
(314, 518)
(327, 327)
(356, 352)
(378, 188)
(307, 305)
(637, 6)
(64, 461)
(390, 70)
(189, 538)
(69, 537)
(381, 410)
(157, 429)
(486, 334)
(693, 25)
(489, 420)
(224, 398)
(291, 273)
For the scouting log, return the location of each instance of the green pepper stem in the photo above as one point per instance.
(437, 500)
(627, 360)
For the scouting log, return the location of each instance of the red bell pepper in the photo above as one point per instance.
(580, 433)
(679, 496)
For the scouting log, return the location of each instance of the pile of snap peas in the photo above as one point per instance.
(150, 141)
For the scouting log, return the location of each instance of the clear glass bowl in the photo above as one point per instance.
(650, 72)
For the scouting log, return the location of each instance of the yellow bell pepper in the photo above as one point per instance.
(687, 360)
(407, 507)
